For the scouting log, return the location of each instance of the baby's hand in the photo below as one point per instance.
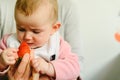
(40, 65)
(9, 56)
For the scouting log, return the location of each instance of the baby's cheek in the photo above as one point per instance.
(20, 36)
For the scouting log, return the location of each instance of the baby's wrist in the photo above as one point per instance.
(50, 70)
(2, 64)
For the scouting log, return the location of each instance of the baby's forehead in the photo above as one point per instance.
(28, 7)
(41, 12)
(34, 21)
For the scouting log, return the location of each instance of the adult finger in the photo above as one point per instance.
(27, 72)
(10, 76)
(22, 67)
(35, 75)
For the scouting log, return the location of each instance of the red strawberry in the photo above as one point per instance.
(23, 49)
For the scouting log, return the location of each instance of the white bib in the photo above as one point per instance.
(49, 51)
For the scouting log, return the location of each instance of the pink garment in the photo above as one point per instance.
(66, 66)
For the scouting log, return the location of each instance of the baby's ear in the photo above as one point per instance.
(55, 27)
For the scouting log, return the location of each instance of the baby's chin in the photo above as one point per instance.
(34, 47)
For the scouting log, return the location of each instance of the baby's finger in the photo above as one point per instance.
(36, 65)
(34, 60)
(11, 60)
(35, 75)
(15, 53)
(9, 54)
(14, 50)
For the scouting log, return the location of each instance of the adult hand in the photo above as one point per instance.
(23, 70)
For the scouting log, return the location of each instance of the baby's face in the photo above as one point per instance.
(35, 29)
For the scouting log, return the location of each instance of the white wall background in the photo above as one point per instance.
(99, 20)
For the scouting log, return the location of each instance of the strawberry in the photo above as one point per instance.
(23, 49)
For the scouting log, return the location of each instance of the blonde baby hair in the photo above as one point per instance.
(27, 7)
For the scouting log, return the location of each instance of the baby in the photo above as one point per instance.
(37, 25)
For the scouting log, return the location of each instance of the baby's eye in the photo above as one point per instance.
(22, 30)
(36, 32)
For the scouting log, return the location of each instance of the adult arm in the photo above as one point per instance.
(69, 16)
(7, 21)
